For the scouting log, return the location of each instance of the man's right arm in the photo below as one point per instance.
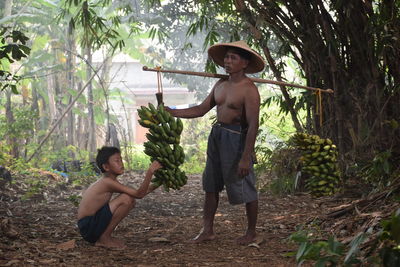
(196, 111)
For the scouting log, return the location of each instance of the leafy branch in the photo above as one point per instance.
(12, 48)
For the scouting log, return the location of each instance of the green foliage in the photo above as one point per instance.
(12, 48)
(194, 141)
(23, 124)
(275, 129)
(35, 183)
(99, 26)
(282, 185)
(283, 166)
(263, 150)
(276, 166)
(390, 236)
(195, 161)
(333, 253)
(82, 178)
(74, 199)
(380, 171)
(138, 160)
(66, 153)
(5, 157)
(328, 252)
(20, 165)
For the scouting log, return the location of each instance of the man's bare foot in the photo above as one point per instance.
(110, 243)
(246, 238)
(203, 236)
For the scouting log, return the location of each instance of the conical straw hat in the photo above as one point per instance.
(217, 53)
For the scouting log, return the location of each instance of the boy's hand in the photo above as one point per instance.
(155, 165)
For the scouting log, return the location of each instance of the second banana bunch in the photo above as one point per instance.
(319, 162)
(163, 145)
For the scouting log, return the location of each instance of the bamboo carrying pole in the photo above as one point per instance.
(224, 76)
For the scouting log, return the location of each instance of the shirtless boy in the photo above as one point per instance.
(231, 141)
(98, 215)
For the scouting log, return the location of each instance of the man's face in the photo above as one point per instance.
(234, 62)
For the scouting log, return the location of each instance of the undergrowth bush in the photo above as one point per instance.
(383, 248)
(195, 158)
(277, 169)
(381, 170)
(136, 159)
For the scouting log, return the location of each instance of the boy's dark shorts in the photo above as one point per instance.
(224, 151)
(92, 227)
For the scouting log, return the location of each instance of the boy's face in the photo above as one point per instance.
(234, 62)
(114, 165)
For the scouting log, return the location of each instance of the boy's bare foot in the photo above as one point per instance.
(111, 243)
(203, 236)
(246, 238)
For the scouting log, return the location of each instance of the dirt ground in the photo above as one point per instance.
(42, 231)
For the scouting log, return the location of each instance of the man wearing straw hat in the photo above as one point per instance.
(232, 138)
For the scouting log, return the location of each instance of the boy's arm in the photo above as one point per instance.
(143, 190)
(115, 186)
(152, 187)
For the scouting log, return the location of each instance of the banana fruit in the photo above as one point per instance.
(163, 145)
(319, 161)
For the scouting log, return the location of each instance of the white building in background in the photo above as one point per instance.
(139, 88)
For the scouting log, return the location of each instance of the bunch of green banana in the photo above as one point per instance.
(163, 145)
(319, 161)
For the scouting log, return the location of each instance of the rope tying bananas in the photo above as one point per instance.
(163, 145)
(319, 161)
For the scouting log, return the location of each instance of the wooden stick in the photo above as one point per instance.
(224, 76)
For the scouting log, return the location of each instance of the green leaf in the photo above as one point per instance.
(299, 236)
(14, 89)
(40, 42)
(322, 262)
(354, 244)
(302, 249)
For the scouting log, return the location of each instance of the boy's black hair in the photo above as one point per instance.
(241, 52)
(104, 154)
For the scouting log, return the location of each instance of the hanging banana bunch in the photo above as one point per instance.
(319, 161)
(163, 145)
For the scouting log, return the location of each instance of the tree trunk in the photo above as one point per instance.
(11, 139)
(257, 35)
(51, 95)
(7, 8)
(71, 51)
(104, 82)
(80, 124)
(91, 123)
(356, 52)
(59, 83)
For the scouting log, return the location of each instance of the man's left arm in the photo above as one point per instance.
(252, 108)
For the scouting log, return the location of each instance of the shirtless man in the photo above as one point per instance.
(232, 138)
(98, 215)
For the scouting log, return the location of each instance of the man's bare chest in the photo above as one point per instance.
(229, 96)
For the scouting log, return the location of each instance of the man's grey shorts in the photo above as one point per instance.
(224, 150)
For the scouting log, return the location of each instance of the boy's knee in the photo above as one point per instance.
(128, 200)
(133, 202)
